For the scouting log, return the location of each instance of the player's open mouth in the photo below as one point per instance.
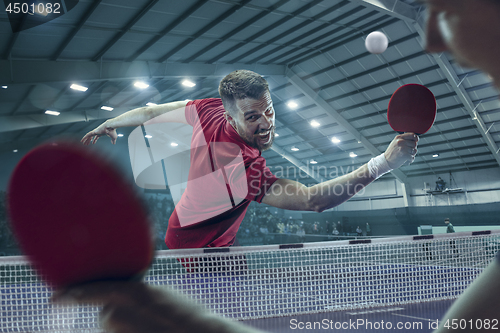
(265, 137)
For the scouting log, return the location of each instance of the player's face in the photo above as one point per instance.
(469, 29)
(253, 119)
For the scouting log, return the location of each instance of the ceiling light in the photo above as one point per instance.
(78, 87)
(174, 144)
(435, 155)
(295, 149)
(4, 87)
(107, 108)
(52, 113)
(351, 154)
(314, 123)
(292, 105)
(335, 140)
(150, 104)
(140, 85)
(313, 162)
(120, 135)
(189, 84)
(15, 150)
(147, 136)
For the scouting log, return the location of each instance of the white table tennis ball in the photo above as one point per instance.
(376, 42)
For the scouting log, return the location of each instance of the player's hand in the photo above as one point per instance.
(103, 129)
(403, 148)
(133, 307)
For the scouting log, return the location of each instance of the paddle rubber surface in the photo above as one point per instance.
(412, 108)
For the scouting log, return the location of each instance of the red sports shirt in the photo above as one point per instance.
(225, 175)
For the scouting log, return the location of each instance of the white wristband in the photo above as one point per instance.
(378, 166)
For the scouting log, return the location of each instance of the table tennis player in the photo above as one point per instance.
(470, 30)
(244, 117)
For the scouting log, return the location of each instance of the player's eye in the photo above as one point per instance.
(270, 112)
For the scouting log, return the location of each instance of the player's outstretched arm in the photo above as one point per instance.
(133, 307)
(478, 308)
(137, 117)
(292, 195)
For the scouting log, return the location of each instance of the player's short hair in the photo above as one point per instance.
(447, 219)
(241, 84)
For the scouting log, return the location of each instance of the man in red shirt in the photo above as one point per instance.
(227, 170)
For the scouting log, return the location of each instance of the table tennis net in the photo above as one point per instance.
(275, 280)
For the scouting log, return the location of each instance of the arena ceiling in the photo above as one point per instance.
(311, 52)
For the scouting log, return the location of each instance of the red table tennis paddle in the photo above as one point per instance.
(412, 108)
(76, 218)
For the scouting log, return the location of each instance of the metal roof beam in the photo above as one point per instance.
(126, 29)
(190, 11)
(321, 103)
(13, 38)
(340, 40)
(16, 123)
(21, 101)
(311, 45)
(33, 71)
(240, 28)
(394, 8)
(70, 115)
(292, 32)
(75, 30)
(260, 32)
(204, 30)
(462, 95)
